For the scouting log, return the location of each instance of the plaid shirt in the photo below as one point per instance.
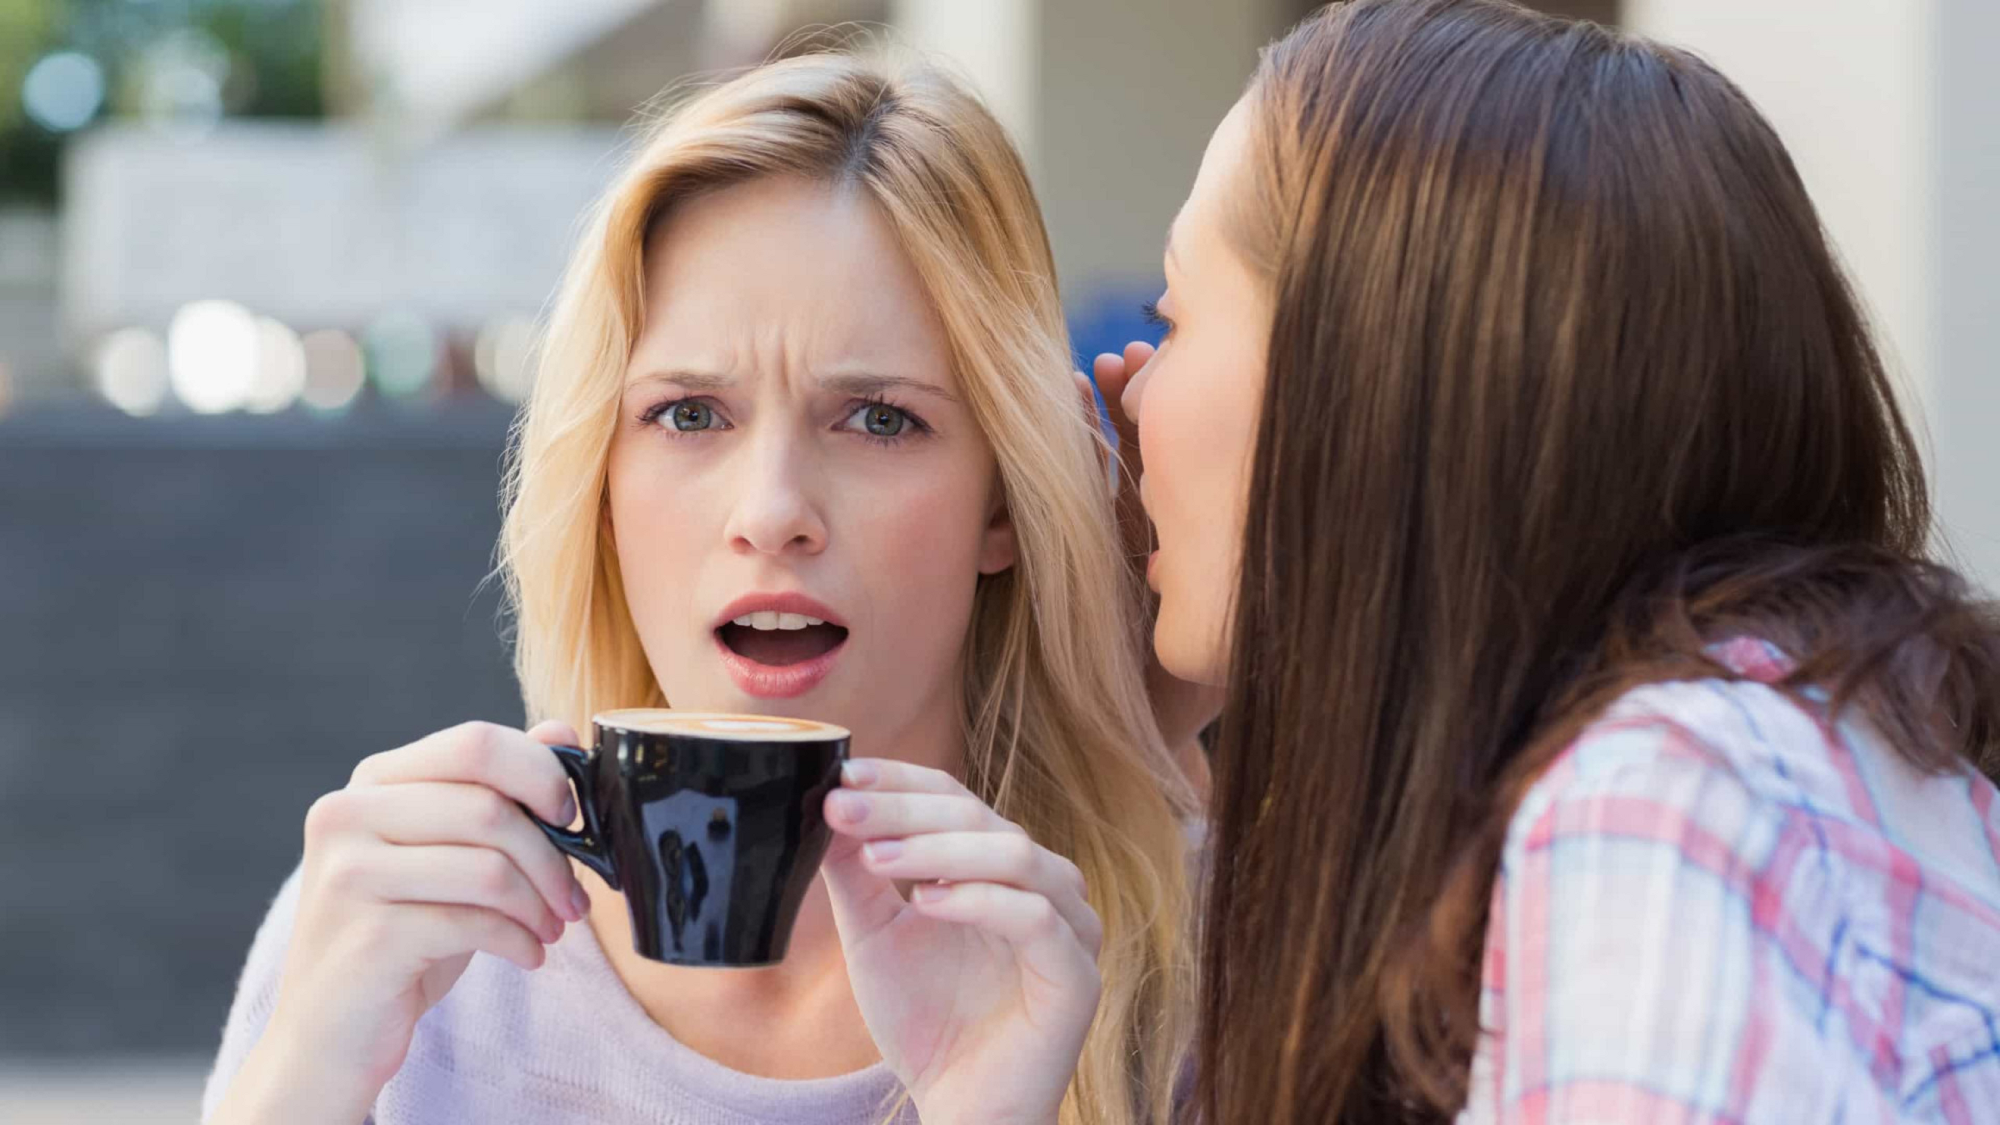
(1719, 906)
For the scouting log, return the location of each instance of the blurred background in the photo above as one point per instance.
(269, 271)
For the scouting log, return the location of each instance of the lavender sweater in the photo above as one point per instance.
(565, 1043)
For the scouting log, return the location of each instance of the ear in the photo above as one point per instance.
(998, 549)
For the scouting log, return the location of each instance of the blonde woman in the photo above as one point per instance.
(808, 360)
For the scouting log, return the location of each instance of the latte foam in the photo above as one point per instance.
(706, 724)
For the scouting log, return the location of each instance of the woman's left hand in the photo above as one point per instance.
(980, 987)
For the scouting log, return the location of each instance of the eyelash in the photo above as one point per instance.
(917, 426)
(1153, 315)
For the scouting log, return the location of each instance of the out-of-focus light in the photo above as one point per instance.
(334, 371)
(281, 368)
(181, 82)
(63, 91)
(402, 353)
(504, 359)
(212, 355)
(131, 371)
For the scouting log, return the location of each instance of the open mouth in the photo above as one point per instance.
(780, 639)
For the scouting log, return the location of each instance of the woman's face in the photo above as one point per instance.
(1197, 407)
(800, 499)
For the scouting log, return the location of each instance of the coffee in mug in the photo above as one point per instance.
(709, 824)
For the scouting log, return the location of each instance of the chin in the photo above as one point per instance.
(1203, 662)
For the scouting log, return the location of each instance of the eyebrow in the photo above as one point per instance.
(1171, 257)
(687, 380)
(871, 386)
(854, 385)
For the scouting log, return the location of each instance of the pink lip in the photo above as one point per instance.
(771, 681)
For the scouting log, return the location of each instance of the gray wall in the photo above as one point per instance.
(1966, 411)
(204, 623)
(1129, 92)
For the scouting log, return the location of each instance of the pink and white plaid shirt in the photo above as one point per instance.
(1718, 906)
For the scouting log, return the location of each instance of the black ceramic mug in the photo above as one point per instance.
(710, 825)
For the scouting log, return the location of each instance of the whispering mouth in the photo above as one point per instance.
(777, 645)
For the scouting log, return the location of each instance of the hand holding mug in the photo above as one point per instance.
(422, 860)
(980, 987)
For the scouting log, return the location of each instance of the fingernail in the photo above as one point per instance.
(928, 892)
(860, 775)
(882, 851)
(850, 807)
(568, 814)
(579, 900)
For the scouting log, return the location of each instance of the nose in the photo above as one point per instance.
(776, 512)
(1135, 391)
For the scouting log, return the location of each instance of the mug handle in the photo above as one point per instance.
(588, 845)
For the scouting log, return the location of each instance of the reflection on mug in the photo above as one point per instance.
(696, 839)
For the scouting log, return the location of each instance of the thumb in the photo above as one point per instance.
(863, 901)
(554, 732)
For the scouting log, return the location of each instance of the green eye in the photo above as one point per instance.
(689, 416)
(884, 421)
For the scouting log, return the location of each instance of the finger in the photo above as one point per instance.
(890, 775)
(448, 874)
(497, 757)
(1094, 415)
(877, 816)
(447, 812)
(554, 732)
(1114, 371)
(1087, 391)
(1118, 376)
(863, 901)
(435, 931)
(1024, 919)
(1108, 369)
(1007, 858)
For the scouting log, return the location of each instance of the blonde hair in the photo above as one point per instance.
(1059, 737)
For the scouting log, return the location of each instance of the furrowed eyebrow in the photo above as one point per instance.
(856, 385)
(872, 386)
(688, 380)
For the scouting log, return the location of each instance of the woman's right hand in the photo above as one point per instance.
(422, 860)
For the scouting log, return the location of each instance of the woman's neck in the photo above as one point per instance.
(797, 1019)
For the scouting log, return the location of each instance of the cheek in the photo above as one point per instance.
(662, 524)
(1177, 437)
(1196, 430)
(914, 539)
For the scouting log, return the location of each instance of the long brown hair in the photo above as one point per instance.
(1564, 382)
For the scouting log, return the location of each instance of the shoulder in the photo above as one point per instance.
(1745, 781)
(1690, 775)
(1668, 814)
(1715, 871)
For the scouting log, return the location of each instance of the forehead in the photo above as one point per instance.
(787, 258)
(1222, 164)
